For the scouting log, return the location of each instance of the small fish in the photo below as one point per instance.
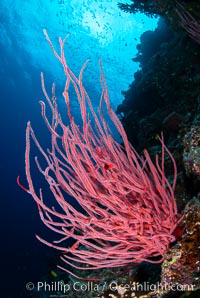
(53, 273)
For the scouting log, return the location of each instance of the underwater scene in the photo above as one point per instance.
(100, 148)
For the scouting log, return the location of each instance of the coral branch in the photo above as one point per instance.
(126, 207)
(189, 22)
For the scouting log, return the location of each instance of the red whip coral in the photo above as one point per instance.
(127, 211)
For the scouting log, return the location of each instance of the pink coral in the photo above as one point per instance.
(127, 210)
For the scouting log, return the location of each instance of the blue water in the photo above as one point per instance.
(98, 29)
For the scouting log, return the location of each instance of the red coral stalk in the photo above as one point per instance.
(128, 211)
